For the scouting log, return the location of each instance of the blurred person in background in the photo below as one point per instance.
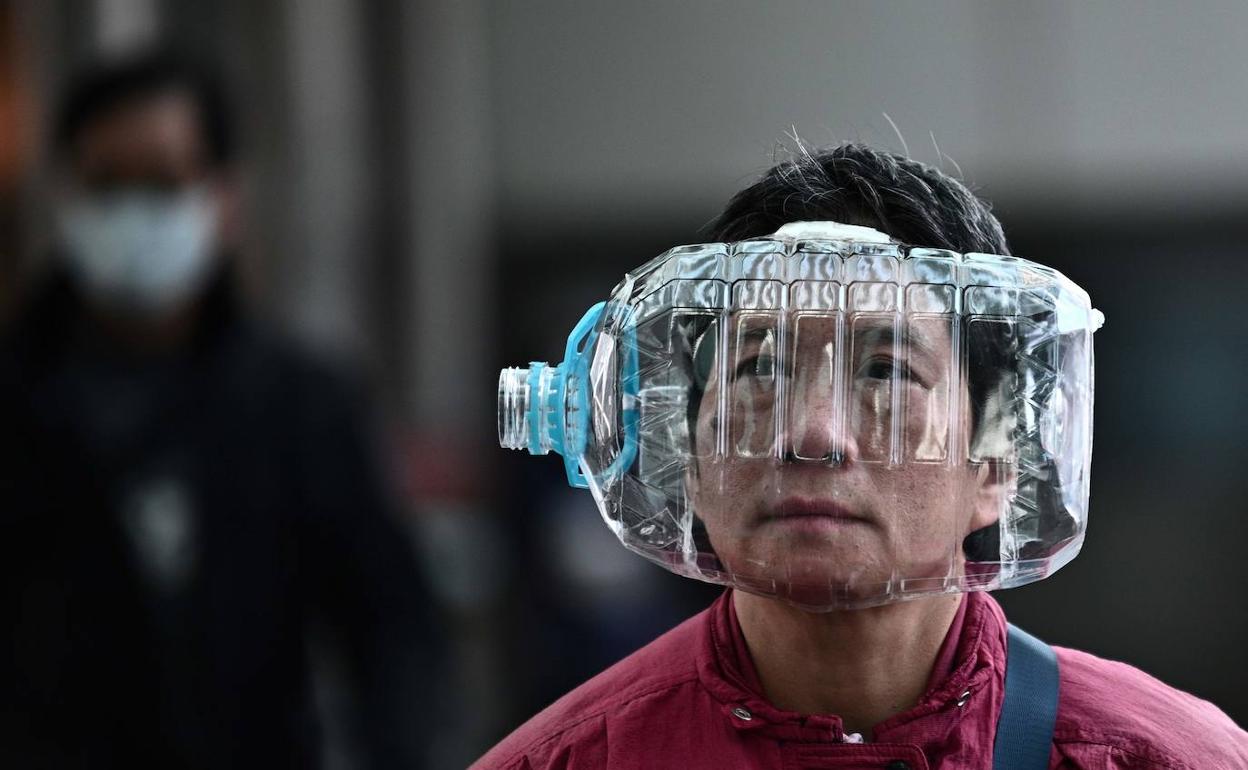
(818, 655)
(183, 493)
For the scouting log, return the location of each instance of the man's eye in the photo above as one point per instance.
(885, 369)
(760, 366)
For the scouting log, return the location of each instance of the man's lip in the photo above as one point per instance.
(801, 507)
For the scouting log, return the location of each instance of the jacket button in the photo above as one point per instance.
(898, 764)
(742, 713)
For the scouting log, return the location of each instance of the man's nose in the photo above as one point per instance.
(818, 426)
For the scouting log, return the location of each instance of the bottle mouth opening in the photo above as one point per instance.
(513, 408)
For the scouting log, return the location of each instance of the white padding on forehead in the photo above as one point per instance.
(831, 231)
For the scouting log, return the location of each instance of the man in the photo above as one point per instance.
(184, 494)
(830, 422)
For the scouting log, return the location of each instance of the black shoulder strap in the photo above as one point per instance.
(1025, 725)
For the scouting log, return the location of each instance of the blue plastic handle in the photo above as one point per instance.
(567, 413)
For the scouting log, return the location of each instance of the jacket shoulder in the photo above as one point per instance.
(573, 726)
(1123, 709)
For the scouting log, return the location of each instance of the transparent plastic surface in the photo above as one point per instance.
(838, 424)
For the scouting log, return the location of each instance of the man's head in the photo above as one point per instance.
(147, 92)
(144, 149)
(837, 510)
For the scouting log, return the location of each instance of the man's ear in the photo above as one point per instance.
(995, 484)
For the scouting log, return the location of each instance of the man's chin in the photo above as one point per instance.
(816, 581)
(823, 580)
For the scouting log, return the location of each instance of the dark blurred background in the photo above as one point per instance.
(434, 190)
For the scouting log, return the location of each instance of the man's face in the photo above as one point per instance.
(154, 142)
(804, 491)
(145, 213)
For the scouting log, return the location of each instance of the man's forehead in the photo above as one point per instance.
(155, 132)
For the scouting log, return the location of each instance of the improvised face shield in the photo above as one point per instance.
(827, 416)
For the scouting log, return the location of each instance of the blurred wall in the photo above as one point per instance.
(601, 104)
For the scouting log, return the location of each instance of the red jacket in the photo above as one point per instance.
(689, 700)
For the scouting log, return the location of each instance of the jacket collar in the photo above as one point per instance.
(969, 674)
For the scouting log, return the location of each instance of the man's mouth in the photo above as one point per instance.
(813, 513)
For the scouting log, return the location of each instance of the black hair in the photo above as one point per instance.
(859, 185)
(106, 86)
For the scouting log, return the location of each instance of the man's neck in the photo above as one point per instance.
(862, 665)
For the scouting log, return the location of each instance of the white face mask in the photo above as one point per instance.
(140, 251)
